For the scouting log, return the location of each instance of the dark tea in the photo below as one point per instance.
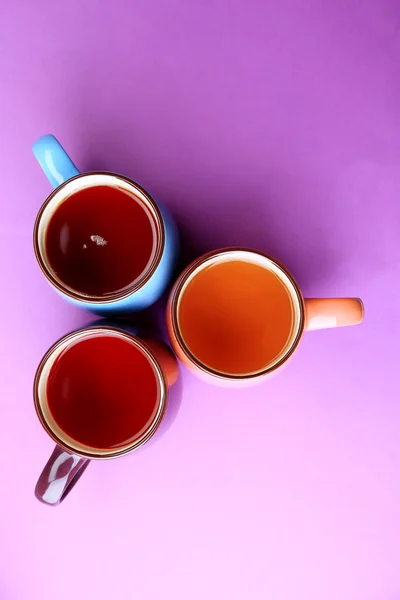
(100, 240)
(103, 391)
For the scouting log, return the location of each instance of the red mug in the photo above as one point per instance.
(99, 392)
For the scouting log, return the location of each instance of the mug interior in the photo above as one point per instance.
(253, 257)
(54, 429)
(77, 184)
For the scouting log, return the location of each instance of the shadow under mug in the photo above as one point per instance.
(70, 458)
(308, 314)
(67, 181)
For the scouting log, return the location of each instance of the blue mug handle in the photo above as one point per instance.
(55, 162)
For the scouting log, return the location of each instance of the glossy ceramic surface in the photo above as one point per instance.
(315, 313)
(64, 177)
(70, 459)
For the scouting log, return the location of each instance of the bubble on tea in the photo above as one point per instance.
(98, 240)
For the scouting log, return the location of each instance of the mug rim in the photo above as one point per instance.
(119, 451)
(137, 284)
(173, 310)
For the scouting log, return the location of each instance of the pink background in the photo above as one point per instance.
(269, 123)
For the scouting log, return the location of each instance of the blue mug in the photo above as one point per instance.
(66, 181)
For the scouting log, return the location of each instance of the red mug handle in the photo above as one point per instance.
(59, 476)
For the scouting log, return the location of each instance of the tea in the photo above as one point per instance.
(100, 240)
(236, 317)
(103, 391)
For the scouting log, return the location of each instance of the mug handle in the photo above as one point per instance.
(323, 313)
(59, 476)
(55, 162)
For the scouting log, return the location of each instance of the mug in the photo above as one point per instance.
(67, 181)
(233, 309)
(69, 402)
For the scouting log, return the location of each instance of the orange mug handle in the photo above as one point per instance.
(323, 313)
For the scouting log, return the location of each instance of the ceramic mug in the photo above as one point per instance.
(306, 314)
(72, 455)
(66, 179)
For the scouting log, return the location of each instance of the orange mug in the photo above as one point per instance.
(236, 315)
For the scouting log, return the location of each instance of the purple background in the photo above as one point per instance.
(269, 123)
